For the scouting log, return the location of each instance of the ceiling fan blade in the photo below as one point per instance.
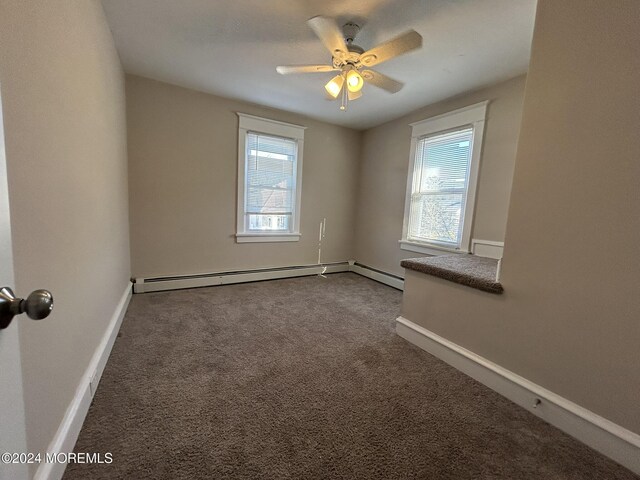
(382, 81)
(393, 48)
(287, 69)
(328, 31)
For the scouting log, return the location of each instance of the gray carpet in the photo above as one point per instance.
(471, 270)
(304, 379)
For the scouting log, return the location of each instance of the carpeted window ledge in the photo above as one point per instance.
(470, 270)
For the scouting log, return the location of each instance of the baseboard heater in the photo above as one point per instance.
(387, 278)
(156, 284)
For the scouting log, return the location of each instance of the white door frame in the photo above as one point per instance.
(12, 418)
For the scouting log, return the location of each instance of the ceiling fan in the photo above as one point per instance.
(352, 61)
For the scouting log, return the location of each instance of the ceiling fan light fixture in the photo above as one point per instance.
(354, 81)
(354, 95)
(334, 86)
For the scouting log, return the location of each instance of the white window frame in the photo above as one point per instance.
(250, 123)
(472, 116)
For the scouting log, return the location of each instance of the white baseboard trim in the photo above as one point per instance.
(147, 285)
(608, 438)
(69, 429)
(377, 275)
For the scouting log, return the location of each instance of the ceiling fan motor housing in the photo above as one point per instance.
(349, 30)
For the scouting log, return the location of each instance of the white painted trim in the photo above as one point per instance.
(267, 237)
(427, 249)
(69, 429)
(481, 248)
(461, 116)
(242, 179)
(608, 438)
(143, 285)
(269, 126)
(377, 276)
(251, 123)
(472, 115)
(488, 242)
(487, 248)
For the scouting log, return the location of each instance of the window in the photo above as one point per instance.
(441, 187)
(269, 180)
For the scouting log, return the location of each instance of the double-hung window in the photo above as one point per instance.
(269, 180)
(441, 187)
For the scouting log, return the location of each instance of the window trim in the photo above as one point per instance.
(251, 123)
(473, 116)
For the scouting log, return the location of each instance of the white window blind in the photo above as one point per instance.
(270, 192)
(440, 183)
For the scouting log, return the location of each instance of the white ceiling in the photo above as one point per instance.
(231, 48)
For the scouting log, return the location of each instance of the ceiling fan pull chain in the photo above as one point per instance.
(345, 98)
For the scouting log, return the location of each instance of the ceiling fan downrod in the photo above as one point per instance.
(350, 30)
(345, 99)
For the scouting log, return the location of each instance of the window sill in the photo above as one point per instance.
(475, 272)
(427, 249)
(267, 237)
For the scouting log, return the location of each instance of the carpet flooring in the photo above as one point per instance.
(304, 379)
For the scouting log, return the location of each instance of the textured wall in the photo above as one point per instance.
(568, 319)
(65, 131)
(183, 162)
(385, 162)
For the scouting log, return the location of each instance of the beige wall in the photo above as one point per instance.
(569, 317)
(385, 163)
(64, 114)
(183, 163)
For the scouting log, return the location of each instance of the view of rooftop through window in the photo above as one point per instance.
(440, 187)
(271, 176)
